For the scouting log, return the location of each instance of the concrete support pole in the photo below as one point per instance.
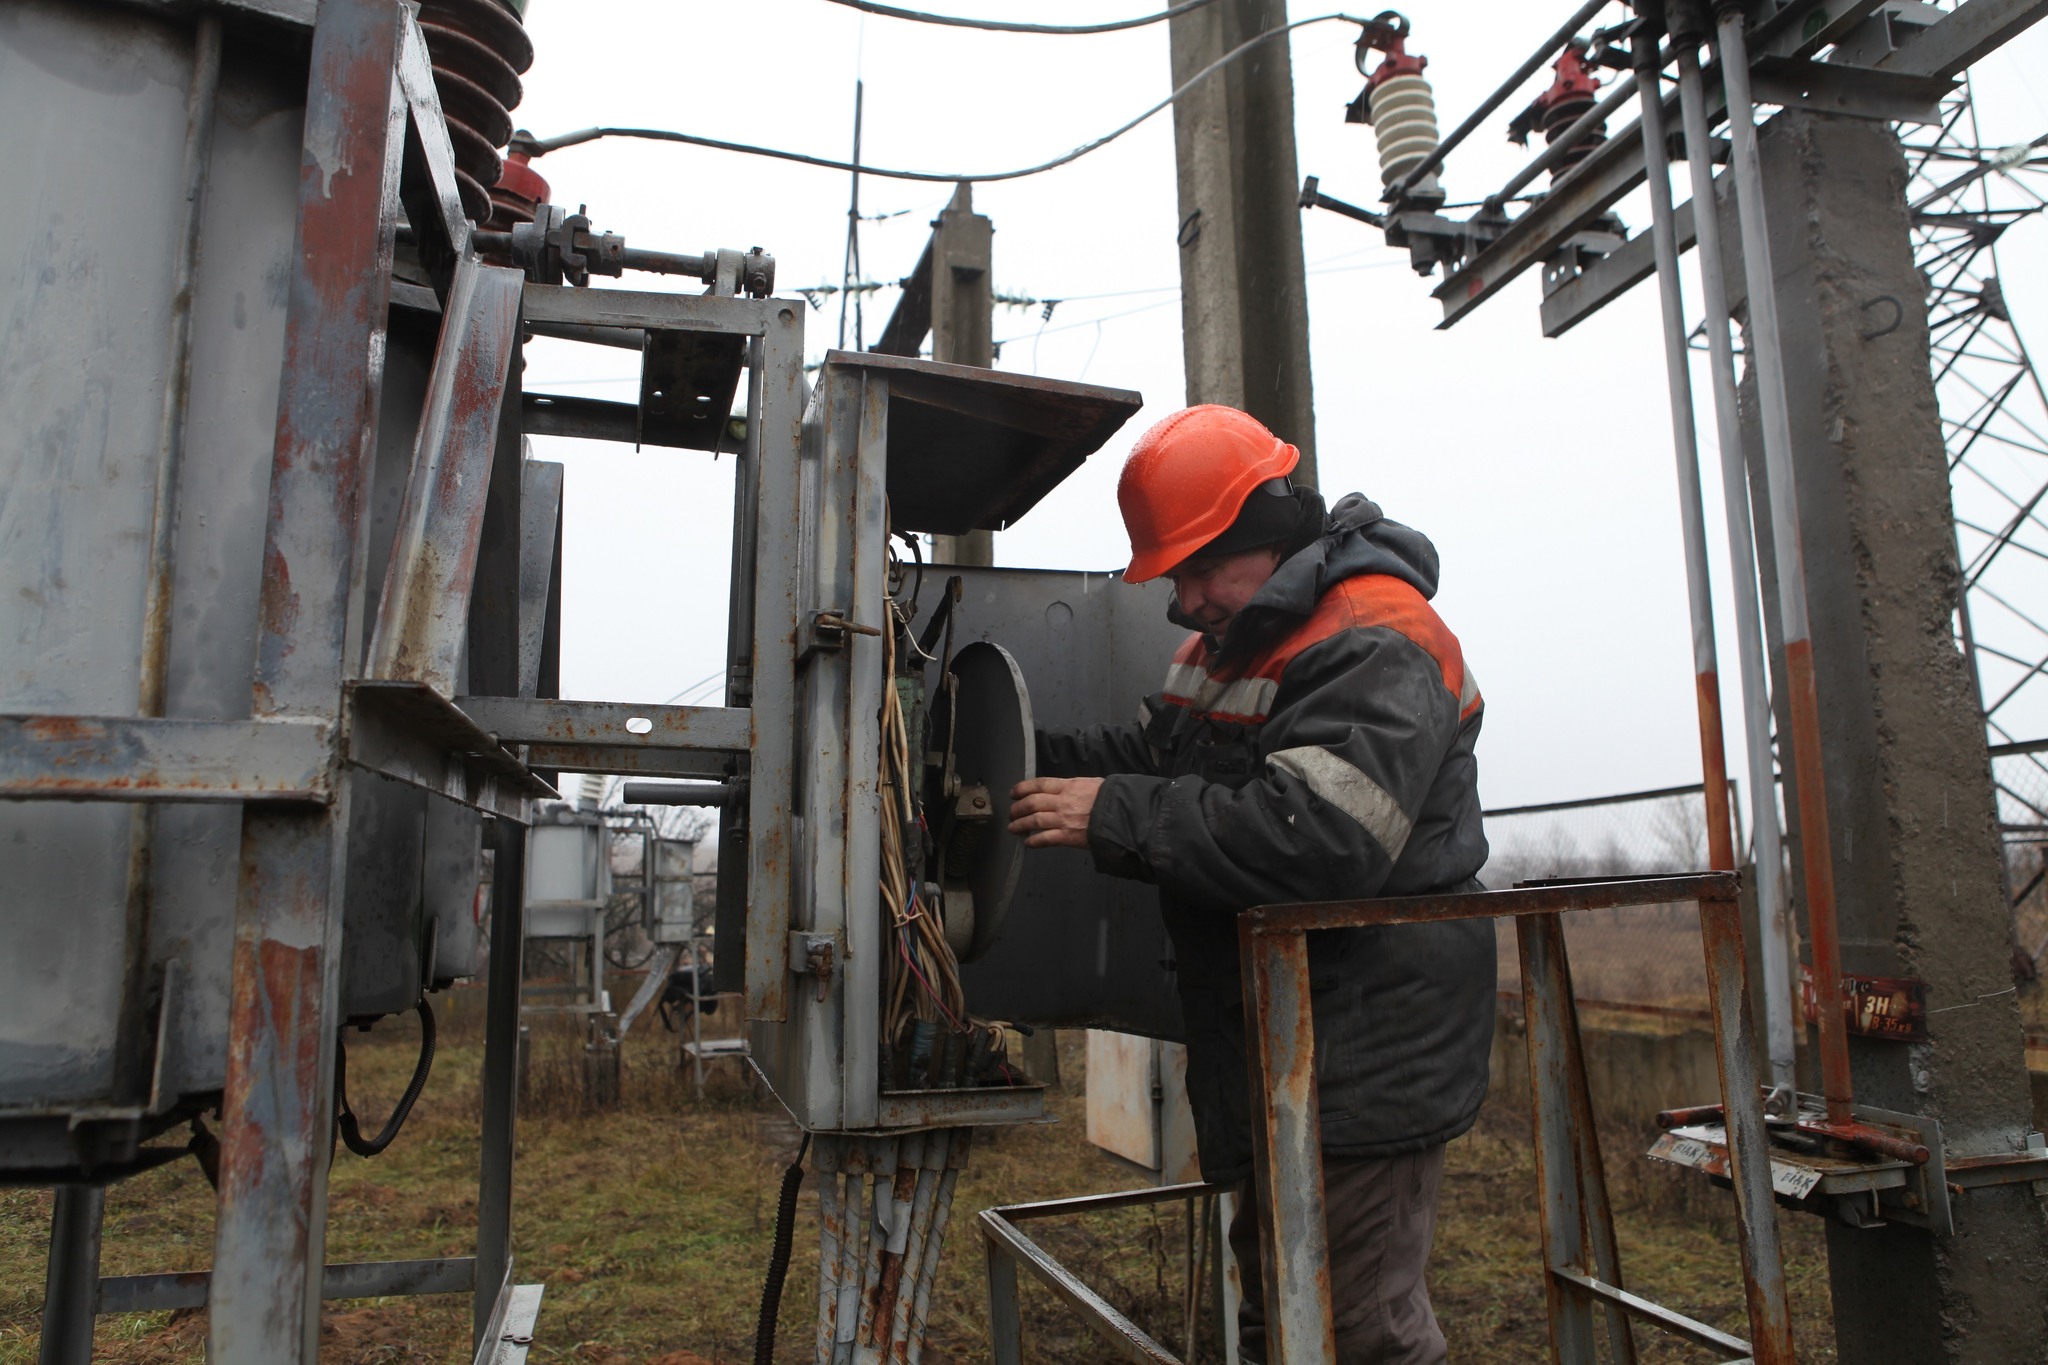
(1244, 301)
(1912, 822)
(963, 327)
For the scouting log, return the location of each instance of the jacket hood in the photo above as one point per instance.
(1357, 539)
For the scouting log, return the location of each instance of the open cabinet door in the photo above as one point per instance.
(1076, 949)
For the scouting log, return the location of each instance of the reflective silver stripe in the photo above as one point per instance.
(1186, 680)
(1350, 791)
(1245, 697)
(1471, 692)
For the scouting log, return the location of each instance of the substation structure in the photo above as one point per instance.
(1902, 1113)
(284, 618)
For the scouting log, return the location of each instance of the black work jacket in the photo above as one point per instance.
(1322, 750)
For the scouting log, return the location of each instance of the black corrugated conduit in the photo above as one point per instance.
(778, 1258)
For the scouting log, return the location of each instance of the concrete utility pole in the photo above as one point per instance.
(951, 297)
(1244, 301)
(1916, 841)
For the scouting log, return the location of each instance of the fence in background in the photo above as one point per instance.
(1649, 961)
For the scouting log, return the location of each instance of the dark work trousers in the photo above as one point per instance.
(1381, 1213)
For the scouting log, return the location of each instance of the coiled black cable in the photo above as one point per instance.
(778, 1258)
(345, 1117)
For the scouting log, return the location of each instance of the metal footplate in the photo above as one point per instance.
(1886, 1167)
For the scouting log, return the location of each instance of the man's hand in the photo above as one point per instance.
(1053, 811)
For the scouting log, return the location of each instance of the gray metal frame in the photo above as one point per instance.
(1583, 1271)
(1008, 1248)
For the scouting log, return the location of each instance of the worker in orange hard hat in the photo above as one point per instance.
(1314, 741)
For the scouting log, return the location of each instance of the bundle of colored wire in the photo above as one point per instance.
(924, 976)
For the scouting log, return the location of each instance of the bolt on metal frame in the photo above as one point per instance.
(1583, 1278)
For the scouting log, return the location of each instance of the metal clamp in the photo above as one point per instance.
(814, 954)
(831, 629)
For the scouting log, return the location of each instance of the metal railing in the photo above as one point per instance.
(1009, 1248)
(1582, 1270)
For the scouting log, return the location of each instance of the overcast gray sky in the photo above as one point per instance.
(1542, 469)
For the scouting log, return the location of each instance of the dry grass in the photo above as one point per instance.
(650, 1225)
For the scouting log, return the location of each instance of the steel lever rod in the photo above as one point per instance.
(1802, 693)
(1685, 445)
(1780, 1033)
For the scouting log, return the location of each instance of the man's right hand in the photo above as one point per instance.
(1053, 812)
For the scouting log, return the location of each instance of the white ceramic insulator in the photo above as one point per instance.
(1404, 122)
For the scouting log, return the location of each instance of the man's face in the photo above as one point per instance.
(1213, 589)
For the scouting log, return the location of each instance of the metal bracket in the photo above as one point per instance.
(831, 629)
(814, 954)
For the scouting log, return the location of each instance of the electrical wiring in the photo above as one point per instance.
(1012, 26)
(533, 147)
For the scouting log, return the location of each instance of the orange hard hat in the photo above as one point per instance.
(1187, 478)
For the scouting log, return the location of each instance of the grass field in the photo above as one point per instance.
(650, 1225)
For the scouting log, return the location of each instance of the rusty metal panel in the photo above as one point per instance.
(423, 620)
(94, 101)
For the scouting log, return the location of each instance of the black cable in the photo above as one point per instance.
(345, 1117)
(542, 146)
(778, 1258)
(1008, 26)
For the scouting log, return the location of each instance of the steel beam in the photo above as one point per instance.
(423, 618)
(277, 1105)
(611, 724)
(777, 498)
(551, 303)
(128, 758)
(1969, 31)
(1287, 1147)
(412, 734)
(493, 1278)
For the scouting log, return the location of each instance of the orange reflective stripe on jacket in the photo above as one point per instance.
(1245, 694)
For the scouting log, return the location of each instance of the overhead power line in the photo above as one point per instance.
(542, 146)
(1006, 26)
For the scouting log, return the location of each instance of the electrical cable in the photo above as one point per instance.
(778, 1257)
(533, 147)
(1010, 26)
(345, 1117)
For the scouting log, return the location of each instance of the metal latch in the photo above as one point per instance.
(814, 954)
(830, 629)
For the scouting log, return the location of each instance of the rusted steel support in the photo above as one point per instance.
(1692, 520)
(501, 1074)
(277, 1109)
(423, 617)
(1287, 1147)
(1582, 1263)
(1578, 1220)
(1749, 1156)
(1757, 720)
(776, 497)
(1801, 691)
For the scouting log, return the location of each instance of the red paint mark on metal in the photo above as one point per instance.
(1714, 771)
(1817, 856)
